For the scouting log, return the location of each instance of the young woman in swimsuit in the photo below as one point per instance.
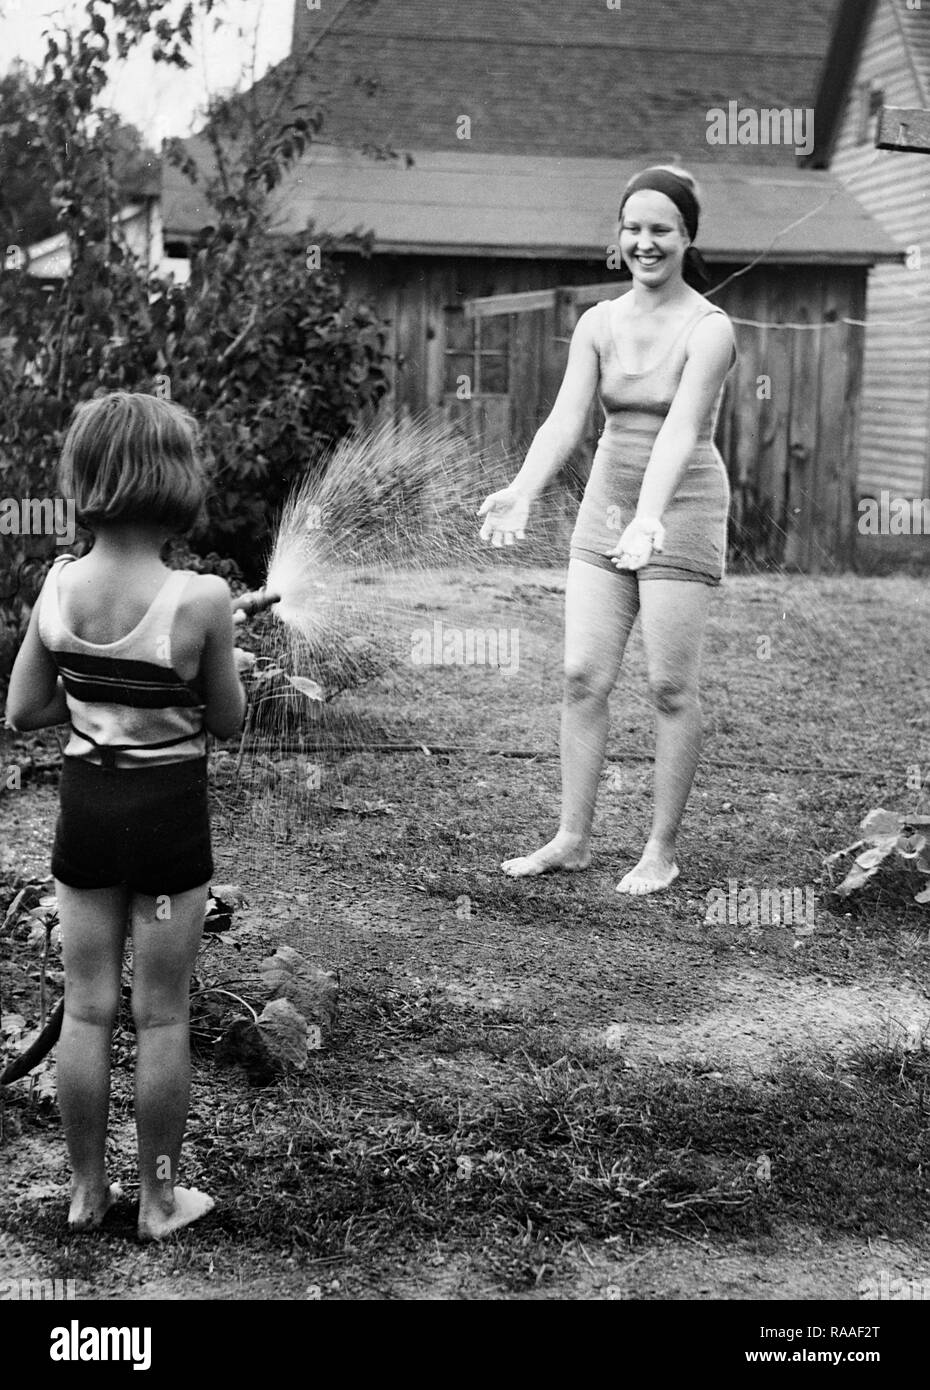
(658, 357)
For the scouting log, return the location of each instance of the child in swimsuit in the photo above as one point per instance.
(140, 660)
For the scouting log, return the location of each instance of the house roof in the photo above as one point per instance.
(452, 203)
(558, 77)
(841, 63)
(850, 27)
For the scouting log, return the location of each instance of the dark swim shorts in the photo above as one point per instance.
(145, 829)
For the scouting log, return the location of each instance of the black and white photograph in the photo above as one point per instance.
(465, 669)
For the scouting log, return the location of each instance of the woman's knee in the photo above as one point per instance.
(584, 680)
(672, 695)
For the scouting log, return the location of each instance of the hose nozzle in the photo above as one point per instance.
(247, 605)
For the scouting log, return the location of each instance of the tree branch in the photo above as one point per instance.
(240, 337)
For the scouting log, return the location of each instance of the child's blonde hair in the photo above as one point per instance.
(130, 457)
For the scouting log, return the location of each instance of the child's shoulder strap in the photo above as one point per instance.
(58, 564)
(161, 615)
(49, 611)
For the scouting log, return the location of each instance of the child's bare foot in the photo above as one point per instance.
(90, 1206)
(562, 852)
(656, 870)
(161, 1219)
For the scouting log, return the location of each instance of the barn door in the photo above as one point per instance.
(504, 363)
(476, 377)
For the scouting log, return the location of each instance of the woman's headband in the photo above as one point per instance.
(663, 181)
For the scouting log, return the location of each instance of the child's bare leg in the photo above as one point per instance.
(93, 928)
(165, 935)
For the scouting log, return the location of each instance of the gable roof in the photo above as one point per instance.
(840, 66)
(452, 203)
(558, 77)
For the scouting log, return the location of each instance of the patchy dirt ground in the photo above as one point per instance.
(484, 1019)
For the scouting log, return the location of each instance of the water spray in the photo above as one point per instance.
(362, 547)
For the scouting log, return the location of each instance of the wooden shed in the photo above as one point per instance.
(523, 122)
(483, 263)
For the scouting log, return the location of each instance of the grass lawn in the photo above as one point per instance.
(537, 1088)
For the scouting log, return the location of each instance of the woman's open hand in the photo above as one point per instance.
(639, 540)
(505, 516)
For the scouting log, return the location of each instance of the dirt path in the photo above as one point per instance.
(461, 988)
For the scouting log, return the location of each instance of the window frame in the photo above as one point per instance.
(476, 353)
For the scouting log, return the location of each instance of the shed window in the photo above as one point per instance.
(477, 349)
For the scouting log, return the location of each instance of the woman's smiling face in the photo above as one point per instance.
(653, 239)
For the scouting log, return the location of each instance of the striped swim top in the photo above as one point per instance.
(129, 708)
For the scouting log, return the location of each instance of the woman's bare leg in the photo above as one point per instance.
(164, 950)
(93, 931)
(673, 615)
(600, 609)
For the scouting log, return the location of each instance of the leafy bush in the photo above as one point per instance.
(261, 345)
(275, 365)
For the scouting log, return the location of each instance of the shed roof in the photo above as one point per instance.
(453, 203)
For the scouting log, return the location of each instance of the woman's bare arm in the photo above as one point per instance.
(563, 429)
(506, 512)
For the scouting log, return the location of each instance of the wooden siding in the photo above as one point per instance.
(790, 449)
(895, 189)
(789, 422)
(413, 294)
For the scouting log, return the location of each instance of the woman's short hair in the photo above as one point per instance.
(130, 457)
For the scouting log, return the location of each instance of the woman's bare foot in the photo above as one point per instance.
(656, 870)
(89, 1207)
(185, 1205)
(562, 852)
